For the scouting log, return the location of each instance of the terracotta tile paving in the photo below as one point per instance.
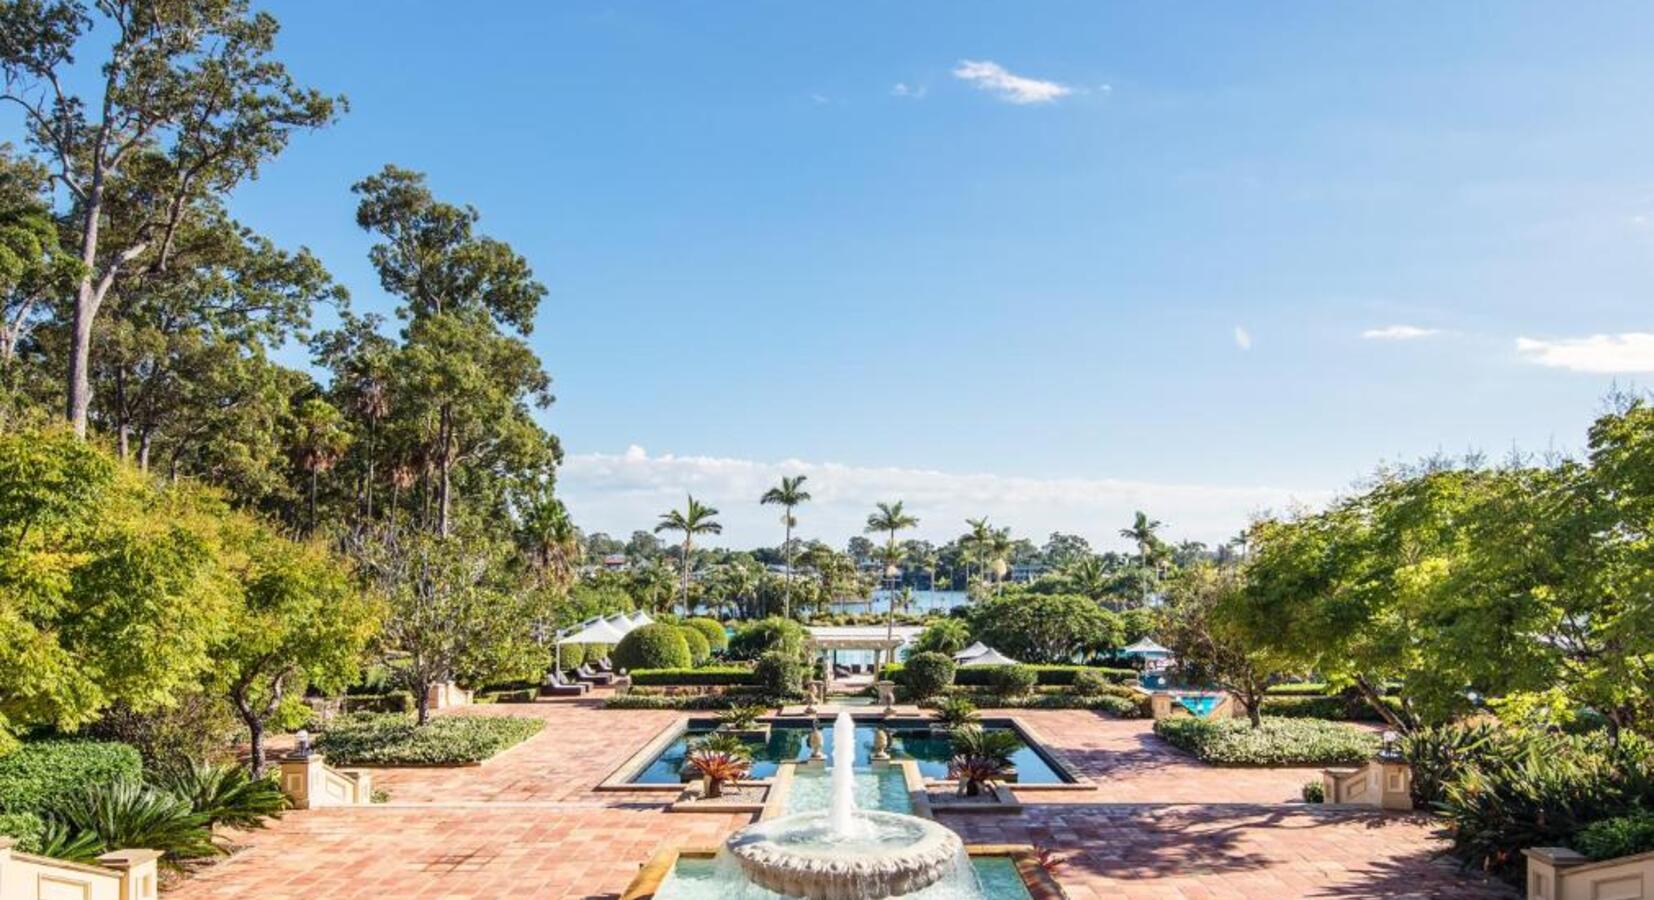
(528, 824)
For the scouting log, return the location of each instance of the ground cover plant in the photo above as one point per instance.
(391, 740)
(1276, 742)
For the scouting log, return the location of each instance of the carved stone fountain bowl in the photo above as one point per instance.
(888, 854)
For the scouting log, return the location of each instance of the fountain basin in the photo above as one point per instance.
(885, 855)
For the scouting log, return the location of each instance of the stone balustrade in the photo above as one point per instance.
(118, 875)
(1384, 783)
(1557, 873)
(309, 783)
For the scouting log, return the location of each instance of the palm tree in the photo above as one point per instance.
(695, 518)
(1142, 532)
(976, 541)
(550, 536)
(998, 552)
(891, 518)
(319, 442)
(789, 494)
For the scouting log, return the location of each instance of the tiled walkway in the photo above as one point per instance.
(528, 824)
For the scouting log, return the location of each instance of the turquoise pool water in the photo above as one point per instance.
(792, 742)
(881, 788)
(1199, 704)
(703, 879)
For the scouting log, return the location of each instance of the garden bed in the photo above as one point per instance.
(394, 740)
(1280, 742)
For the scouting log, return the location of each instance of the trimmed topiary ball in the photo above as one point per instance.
(1015, 681)
(1090, 683)
(779, 674)
(656, 646)
(927, 674)
(712, 631)
(700, 652)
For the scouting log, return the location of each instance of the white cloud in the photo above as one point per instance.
(910, 91)
(991, 76)
(620, 493)
(1243, 338)
(1632, 351)
(820, 99)
(1399, 333)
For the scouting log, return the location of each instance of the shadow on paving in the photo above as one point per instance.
(1399, 878)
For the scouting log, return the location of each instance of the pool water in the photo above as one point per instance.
(792, 742)
(883, 788)
(704, 879)
(1199, 704)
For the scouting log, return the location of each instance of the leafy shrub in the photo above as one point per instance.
(741, 718)
(716, 637)
(197, 725)
(1541, 790)
(1314, 792)
(946, 636)
(1015, 681)
(700, 652)
(765, 635)
(1341, 708)
(1062, 675)
(779, 674)
(396, 702)
(654, 646)
(224, 794)
(705, 676)
(128, 813)
(927, 674)
(24, 828)
(41, 771)
(1280, 742)
(957, 712)
(1136, 707)
(1087, 681)
(1619, 836)
(389, 740)
(688, 703)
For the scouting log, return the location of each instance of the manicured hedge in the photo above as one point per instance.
(389, 740)
(983, 676)
(1298, 689)
(1119, 707)
(928, 674)
(691, 702)
(655, 646)
(1280, 742)
(705, 675)
(699, 650)
(42, 771)
(516, 695)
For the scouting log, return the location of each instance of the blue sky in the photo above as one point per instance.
(1044, 261)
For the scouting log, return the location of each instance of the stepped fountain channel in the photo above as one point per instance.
(842, 852)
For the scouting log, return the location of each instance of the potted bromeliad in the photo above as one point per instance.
(981, 757)
(719, 758)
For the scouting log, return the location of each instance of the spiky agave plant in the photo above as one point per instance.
(127, 813)
(225, 794)
(956, 712)
(979, 757)
(740, 718)
(720, 758)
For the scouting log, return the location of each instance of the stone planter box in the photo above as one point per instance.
(1557, 873)
(759, 732)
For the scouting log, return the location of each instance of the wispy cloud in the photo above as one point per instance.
(1243, 338)
(1605, 354)
(990, 76)
(620, 493)
(909, 91)
(820, 99)
(1399, 333)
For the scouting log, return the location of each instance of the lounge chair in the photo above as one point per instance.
(555, 686)
(587, 674)
(603, 665)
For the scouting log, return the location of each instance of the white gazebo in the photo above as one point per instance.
(976, 649)
(594, 631)
(1153, 654)
(988, 657)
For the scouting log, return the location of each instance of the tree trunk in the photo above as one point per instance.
(313, 500)
(80, 352)
(422, 702)
(442, 489)
(1375, 699)
(787, 553)
(373, 433)
(686, 549)
(255, 744)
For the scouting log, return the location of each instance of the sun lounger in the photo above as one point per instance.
(585, 673)
(555, 686)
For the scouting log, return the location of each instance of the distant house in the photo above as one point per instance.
(616, 562)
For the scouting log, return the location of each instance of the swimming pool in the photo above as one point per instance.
(791, 741)
(1199, 704)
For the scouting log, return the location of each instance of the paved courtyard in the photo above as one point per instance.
(528, 824)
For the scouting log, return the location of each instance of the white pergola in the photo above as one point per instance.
(595, 631)
(883, 641)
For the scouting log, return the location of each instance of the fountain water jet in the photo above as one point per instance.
(841, 814)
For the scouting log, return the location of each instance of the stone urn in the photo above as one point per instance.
(887, 695)
(816, 750)
(881, 744)
(812, 691)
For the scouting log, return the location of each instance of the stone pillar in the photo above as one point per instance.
(446, 694)
(1545, 868)
(139, 878)
(301, 777)
(1160, 705)
(1394, 783)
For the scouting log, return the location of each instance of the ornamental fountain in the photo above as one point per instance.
(845, 853)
